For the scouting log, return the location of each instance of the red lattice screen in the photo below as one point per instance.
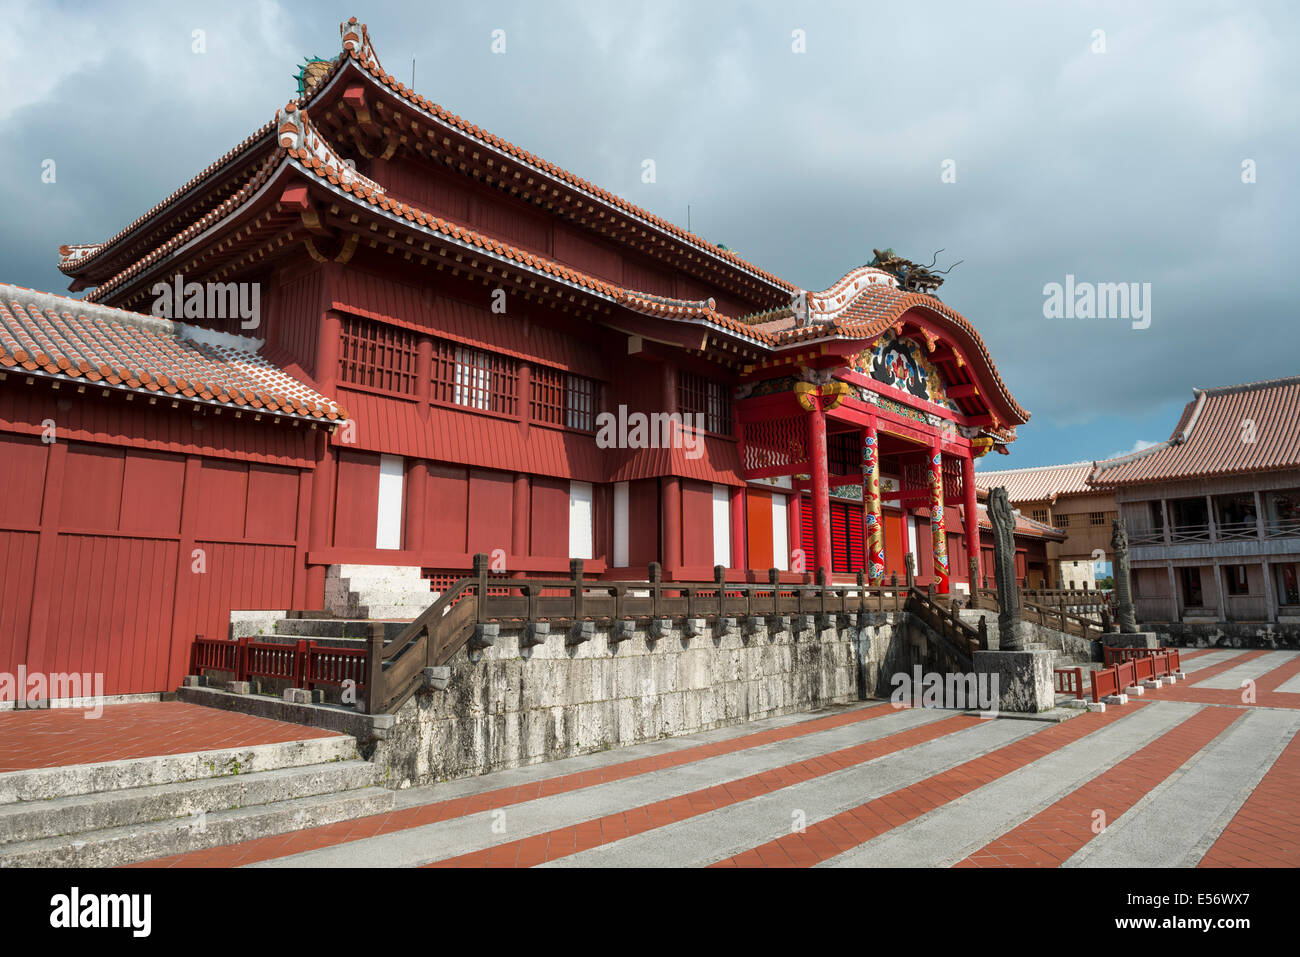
(775, 444)
(474, 378)
(377, 356)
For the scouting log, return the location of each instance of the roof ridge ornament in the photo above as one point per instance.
(356, 42)
(297, 133)
(912, 277)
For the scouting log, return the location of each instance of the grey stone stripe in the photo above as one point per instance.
(1250, 670)
(475, 832)
(450, 790)
(1212, 659)
(717, 835)
(1290, 686)
(954, 831)
(1176, 822)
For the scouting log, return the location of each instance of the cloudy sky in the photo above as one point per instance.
(1106, 141)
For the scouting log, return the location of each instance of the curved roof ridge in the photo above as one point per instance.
(1039, 468)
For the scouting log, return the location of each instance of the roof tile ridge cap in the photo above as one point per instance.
(573, 179)
(86, 309)
(227, 208)
(1186, 433)
(1031, 468)
(238, 149)
(1129, 457)
(1258, 385)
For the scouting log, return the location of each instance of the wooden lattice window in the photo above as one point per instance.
(699, 395)
(1062, 521)
(377, 355)
(1040, 515)
(559, 398)
(474, 379)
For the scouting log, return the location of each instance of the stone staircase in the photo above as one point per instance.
(376, 591)
(120, 812)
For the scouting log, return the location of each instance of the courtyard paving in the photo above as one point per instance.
(1203, 773)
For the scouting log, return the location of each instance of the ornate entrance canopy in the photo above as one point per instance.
(875, 381)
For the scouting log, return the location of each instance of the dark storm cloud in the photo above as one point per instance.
(1123, 166)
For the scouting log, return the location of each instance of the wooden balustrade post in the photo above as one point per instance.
(893, 587)
(575, 576)
(481, 573)
(774, 577)
(862, 593)
(655, 574)
(720, 577)
(301, 669)
(375, 666)
(1062, 606)
(909, 560)
(821, 592)
(984, 634)
(241, 660)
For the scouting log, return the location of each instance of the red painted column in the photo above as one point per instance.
(738, 557)
(938, 527)
(519, 519)
(969, 506)
(794, 533)
(672, 518)
(322, 486)
(873, 527)
(821, 493)
(416, 488)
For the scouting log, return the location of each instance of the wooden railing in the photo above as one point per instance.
(1068, 681)
(471, 610)
(304, 663)
(1084, 612)
(945, 620)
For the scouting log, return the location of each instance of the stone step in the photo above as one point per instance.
(44, 783)
(116, 846)
(333, 629)
(370, 574)
(25, 821)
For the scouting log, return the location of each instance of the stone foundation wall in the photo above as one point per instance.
(1272, 635)
(514, 706)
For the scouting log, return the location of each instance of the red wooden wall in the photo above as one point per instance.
(112, 557)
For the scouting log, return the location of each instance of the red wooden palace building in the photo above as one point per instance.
(452, 340)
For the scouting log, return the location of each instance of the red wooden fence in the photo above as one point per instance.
(306, 663)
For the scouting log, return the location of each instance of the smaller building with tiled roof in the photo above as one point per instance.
(1213, 512)
(1059, 496)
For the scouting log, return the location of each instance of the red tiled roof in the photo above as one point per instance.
(1253, 427)
(73, 258)
(360, 50)
(1040, 483)
(357, 48)
(55, 336)
(874, 307)
(1024, 526)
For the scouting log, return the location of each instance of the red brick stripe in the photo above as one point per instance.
(851, 828)
(1053, 835)
(1265, 831)
(1266, 693)
(296, 842)
(564, 841)
(54, 737)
